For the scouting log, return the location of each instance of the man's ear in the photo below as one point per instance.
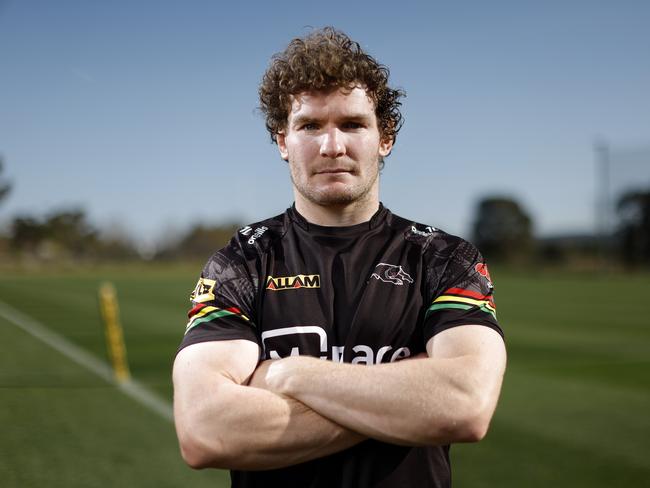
(385, 147)
(280, 139)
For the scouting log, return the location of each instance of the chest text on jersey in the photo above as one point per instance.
(312, 340)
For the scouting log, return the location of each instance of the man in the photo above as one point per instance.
(336, 345)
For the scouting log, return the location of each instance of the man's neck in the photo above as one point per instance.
(337, 215)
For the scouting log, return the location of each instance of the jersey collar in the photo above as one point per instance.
(378, 217)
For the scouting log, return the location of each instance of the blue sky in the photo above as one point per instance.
(144, 113)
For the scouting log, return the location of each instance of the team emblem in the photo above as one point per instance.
(390, 273)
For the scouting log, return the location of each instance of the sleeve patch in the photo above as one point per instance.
(482, 269)
(203, 291)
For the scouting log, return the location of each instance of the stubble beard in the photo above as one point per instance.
(341, 195)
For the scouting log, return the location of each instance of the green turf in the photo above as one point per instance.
(64, 426)
(575, 403)
(573, 411)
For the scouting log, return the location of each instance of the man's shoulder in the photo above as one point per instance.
(426, 236)
(249, 242)
(443, 253)
(257, 236)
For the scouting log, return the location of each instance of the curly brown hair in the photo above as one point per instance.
(323, 60)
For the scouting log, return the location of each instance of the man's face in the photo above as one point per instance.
(333, 146)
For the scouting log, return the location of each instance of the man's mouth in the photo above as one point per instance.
(333, 171)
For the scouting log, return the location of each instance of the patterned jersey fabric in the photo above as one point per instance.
(370, 293)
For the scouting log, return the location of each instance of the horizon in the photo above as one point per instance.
(145, 115)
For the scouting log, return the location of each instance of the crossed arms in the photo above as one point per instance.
(234, 413)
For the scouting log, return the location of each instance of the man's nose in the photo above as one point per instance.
(332, 145)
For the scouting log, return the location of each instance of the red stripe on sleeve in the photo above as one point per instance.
(195, 310)
(467, 293)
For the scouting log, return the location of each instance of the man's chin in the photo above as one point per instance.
(335, 196)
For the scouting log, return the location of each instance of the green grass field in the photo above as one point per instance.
(573, 413)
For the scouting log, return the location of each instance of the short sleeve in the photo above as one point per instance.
(464, 294)
(222, 301)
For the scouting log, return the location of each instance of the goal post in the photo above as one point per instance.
(113, 332)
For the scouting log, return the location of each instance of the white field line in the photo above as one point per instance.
(131, 388)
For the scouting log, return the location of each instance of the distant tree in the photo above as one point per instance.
(5, 187)
(502, 229)
(71, 230)
(199, 242)
(634, 227)
(65, 233)
(27, 234)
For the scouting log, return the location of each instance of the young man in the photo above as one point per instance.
(336, 345)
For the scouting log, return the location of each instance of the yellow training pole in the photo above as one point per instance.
(113, 329)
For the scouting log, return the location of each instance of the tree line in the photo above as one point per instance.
(502, 230)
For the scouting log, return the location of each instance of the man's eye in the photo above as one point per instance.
(310, 126)
(352, 125)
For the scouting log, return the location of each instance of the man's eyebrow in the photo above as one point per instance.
(302, 119)
(355, 117)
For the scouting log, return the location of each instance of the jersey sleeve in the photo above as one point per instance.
(222, 301)
(464, 294)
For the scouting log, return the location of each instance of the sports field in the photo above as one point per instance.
(574, 409)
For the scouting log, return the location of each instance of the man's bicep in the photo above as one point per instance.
(479, 355)
(465, 340)
(211, 361)
(205, 376)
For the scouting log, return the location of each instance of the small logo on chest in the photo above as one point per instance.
(292, 282)
(391, 273)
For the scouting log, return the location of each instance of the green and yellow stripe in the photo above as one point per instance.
(460, 299)
(203, 313)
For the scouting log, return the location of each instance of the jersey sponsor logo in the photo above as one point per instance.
(203, 291)
(482, 269)
(257, 233)
(292, 282)
(390, 273)
(246, 230)
(425, 233)
(312, 340)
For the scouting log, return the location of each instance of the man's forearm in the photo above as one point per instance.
(223, 423)
(415, 402)
(244, 427)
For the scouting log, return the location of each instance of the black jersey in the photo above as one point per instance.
(370, 293)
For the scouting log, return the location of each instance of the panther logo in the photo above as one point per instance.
(390, 273)
(482, 269)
